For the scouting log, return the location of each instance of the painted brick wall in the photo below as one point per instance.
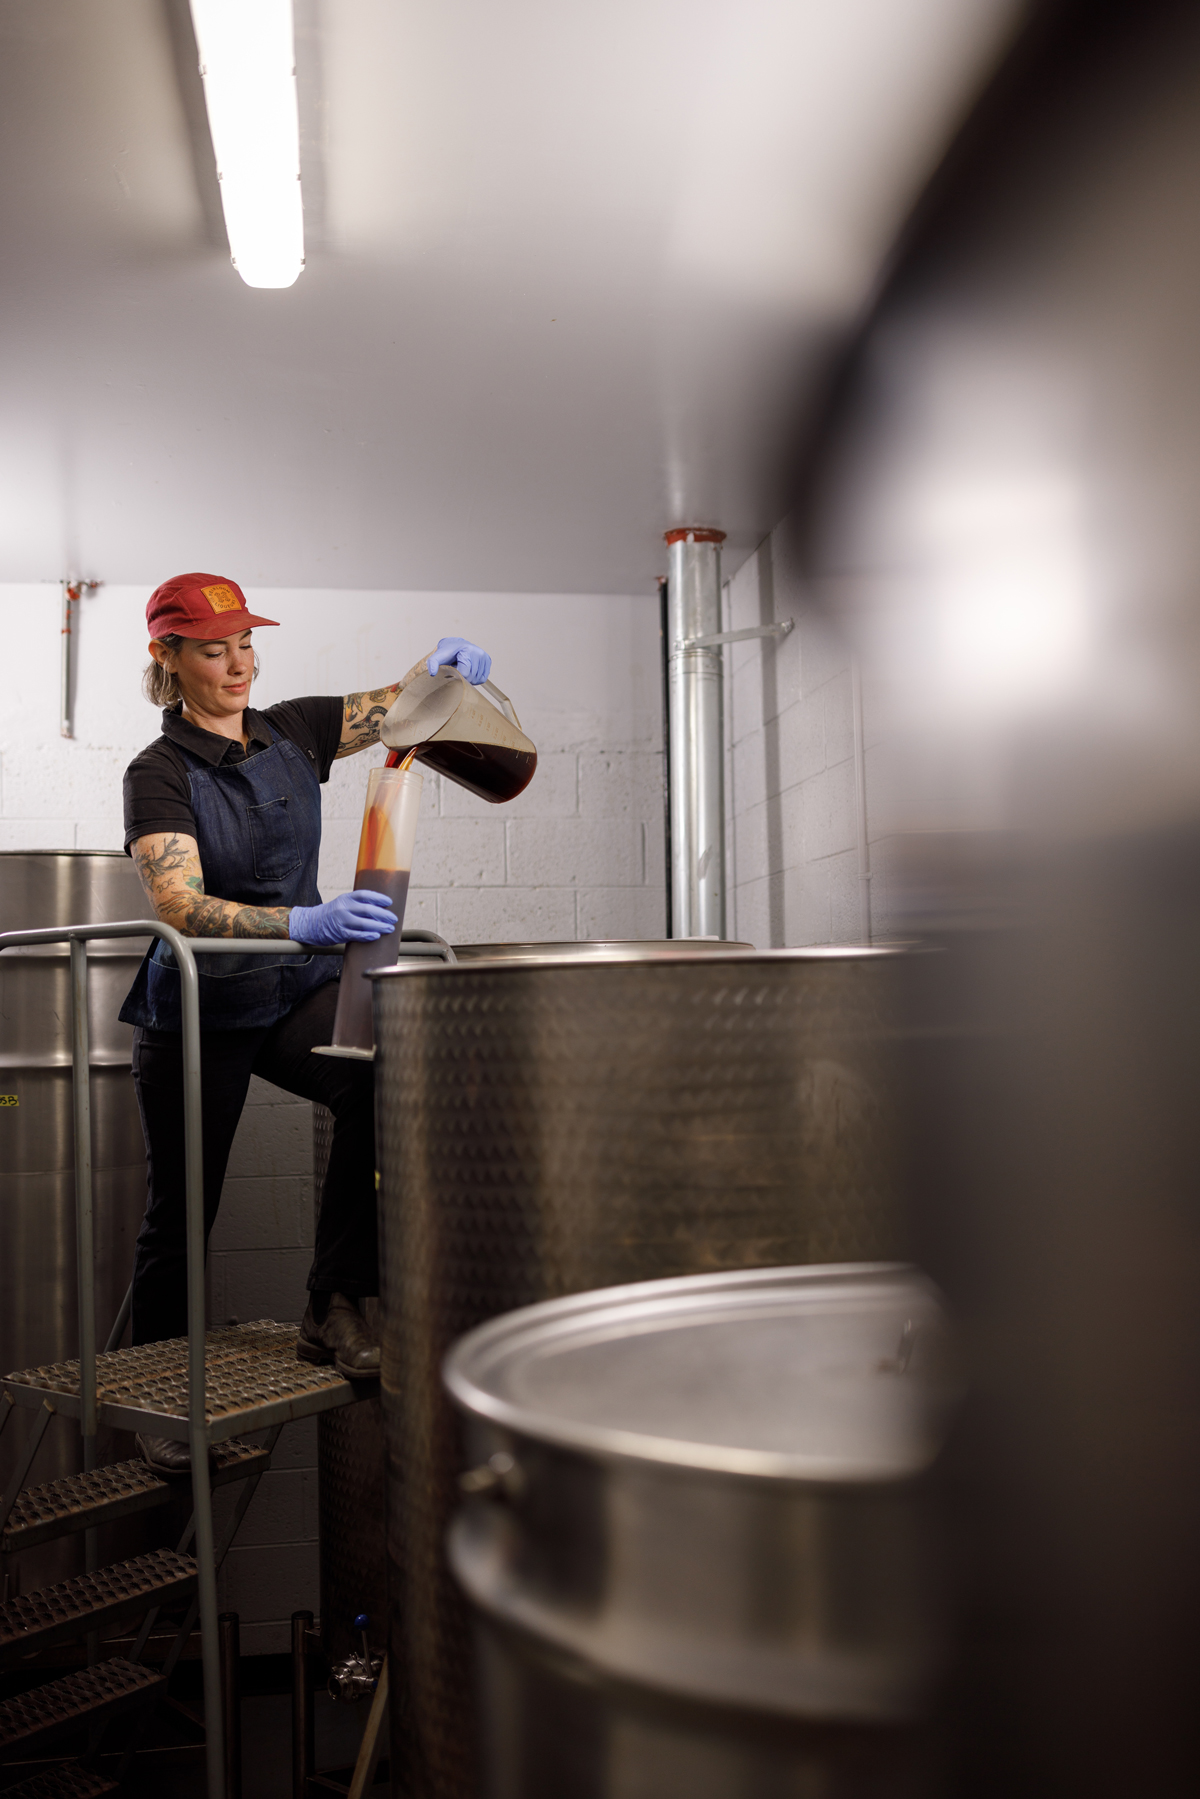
(790, 768)
(580, 854)
(273, 1568)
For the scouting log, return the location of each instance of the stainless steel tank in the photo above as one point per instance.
(38, 1288)
(351, 1501)
(352, 1522)
(699, 1542)
(352, 1528)
(546, 1127)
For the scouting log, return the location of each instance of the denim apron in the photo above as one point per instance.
(258, 827)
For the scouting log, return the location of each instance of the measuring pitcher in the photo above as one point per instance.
(466, 737)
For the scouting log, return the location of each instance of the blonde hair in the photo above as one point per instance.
(161, 685)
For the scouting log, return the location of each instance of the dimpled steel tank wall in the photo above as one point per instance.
(547, 1128)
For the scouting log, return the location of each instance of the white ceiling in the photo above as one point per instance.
(572, 271)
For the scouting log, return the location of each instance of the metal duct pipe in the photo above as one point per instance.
(695, 733)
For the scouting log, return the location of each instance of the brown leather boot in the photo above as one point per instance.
(165, 1455)
(345, 1339)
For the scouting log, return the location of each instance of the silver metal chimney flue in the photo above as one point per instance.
(695, 733)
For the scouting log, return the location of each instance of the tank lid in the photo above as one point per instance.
(491, 958)
(598, 949)
(829, 1374)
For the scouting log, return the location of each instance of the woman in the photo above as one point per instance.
(223, 820)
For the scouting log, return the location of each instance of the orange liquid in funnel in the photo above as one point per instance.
(377, 859)
(377, 844)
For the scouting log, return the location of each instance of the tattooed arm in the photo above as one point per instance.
(363, 713)
(169, 865)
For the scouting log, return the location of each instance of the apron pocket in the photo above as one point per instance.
(273, 840)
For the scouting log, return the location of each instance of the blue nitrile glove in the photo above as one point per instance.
(360, 917)
(474, 664)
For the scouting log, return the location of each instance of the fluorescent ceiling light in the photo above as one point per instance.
(248, 61)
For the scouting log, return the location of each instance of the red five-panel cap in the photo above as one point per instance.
(200, 606)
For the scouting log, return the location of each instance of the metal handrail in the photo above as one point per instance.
(185, 950)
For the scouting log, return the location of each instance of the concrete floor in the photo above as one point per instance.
(266, 1752)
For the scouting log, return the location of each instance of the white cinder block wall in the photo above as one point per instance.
(580, 854)
(792, 831)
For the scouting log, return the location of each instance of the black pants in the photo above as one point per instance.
(346, 1259)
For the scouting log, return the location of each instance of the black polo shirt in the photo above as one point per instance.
(157, 792)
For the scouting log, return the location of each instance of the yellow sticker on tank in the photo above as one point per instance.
(10, 1099)
(222, 598)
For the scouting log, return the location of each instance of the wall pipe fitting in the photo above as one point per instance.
(695, 733)
(72, 592)
(70, 598)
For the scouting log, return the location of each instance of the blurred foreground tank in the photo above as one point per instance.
(1003, 509)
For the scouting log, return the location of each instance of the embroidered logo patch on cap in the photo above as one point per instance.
(222, 598)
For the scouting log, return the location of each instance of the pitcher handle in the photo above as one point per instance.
(502, 699)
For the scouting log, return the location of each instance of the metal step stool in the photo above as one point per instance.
(202, 1389)
(253, 1380)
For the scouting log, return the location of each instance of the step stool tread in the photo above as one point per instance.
(79, 1501)
(252, 1378)
(86, 1696)
(71, 1781)
(86, 1601)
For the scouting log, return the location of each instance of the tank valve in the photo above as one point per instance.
(357, 1676)
(500, 1477)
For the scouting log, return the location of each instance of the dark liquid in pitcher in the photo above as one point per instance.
(353, 1027)
(491, 770)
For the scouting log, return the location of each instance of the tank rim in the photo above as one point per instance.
(771, 958)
